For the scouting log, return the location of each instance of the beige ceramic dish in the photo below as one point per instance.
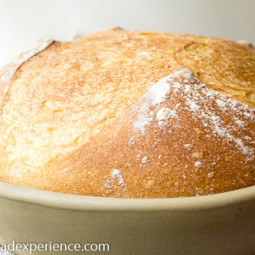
(215, 224)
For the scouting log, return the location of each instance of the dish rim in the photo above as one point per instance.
(91, 203)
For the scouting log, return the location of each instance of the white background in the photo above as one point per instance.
(23, 22)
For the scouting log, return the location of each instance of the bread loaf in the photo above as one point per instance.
(131, 114)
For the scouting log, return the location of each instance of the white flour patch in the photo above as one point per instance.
(155, 96)
(116, 176)
(144, 53)
(198, 164)
(144, 160)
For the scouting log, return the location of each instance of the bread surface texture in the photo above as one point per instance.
(133, 115)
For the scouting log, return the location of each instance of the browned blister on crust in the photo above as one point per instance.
(131, 114)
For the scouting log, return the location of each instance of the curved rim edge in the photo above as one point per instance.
(90, 203)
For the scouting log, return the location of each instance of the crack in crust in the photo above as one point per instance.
(8, 71)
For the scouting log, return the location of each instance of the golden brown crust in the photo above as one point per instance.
(88, 117)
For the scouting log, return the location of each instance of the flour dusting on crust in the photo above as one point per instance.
(116, 176)
(206, 105)
(155, 96)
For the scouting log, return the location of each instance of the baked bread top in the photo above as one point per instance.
(131, 114)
